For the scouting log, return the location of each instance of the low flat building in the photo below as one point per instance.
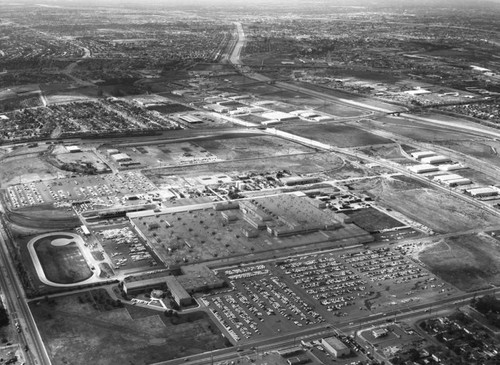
(335, 347)
(422, 169)
(458, 182)
(421, 154)
(280, 116)
(191, 119)
(380, 332)
(482, 192)
(443, 178)
(141, 286)
(121, 157)
(73, 149)
(180, 295)
(292, 351)
(450, 167)
(435, 160)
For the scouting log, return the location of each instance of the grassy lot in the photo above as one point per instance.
(62, 264)
(78, 330)
(469, 262)
(372, 220)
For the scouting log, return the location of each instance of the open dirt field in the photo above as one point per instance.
(439, 211)
(238, 148)
(415, 130)
(300, 164)
(337, 135)
(469, 262)
(211, 150)
(484, 150)
(388, 152)
(27, 168)
(78, 334)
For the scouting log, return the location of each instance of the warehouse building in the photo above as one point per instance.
(292, 351)
(190, 119)
(422, 169)
(217, 108)
(436, 160)
(421, 154)
(280, 116)
(380, 332)
(73, 149)
(458, 182)
(299, 180)
(180, 295)
(482, 192)
(141, 286)
(335, 347)
(443, 178)
(121, 157)
(450, 167)
(199, 278)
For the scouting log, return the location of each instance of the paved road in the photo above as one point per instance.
(236, 52)
(19, 310)
(347, 326)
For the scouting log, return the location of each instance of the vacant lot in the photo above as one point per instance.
(437, 210)
(27, 168)
(299, 164)
(337, 135)
(469, 262)
(373, 220)
(416, 130)
(62, 264)
(77, 333)
(238, 148)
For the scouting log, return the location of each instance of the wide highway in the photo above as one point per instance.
(18, 309)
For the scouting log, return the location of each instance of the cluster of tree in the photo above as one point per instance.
(486, 304)
(100, 300)
(4, 317)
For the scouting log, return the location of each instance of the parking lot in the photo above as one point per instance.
(286, 294)
(102, 190)
(125, 248)
(260, 305)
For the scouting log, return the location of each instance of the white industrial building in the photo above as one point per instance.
(121, 157)
(482, 192)
(450, 167)
(443, 178)
(278, 116)
(435, 160)
(422, 169)
(217, 108)
(421, 154)
(458, 182)
(335, 347)
(73, 149)
(191, 119)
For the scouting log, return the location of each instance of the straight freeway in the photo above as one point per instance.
(18, 309)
